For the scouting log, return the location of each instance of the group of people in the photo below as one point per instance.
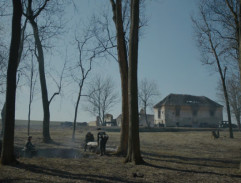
(102, 138)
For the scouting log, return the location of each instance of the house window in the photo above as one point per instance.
(178, 109)
(194, 112)
(159, 113)
(212, 112)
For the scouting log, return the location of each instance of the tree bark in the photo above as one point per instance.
(20, 51)
(133, 154)
(147, 122)
(228, 108)
(239, 40)
(7, 155)
(123, 66)
(3, 117)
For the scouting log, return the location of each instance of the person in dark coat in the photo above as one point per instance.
(102, 138)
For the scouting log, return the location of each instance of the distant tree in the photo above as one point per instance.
(7, 155)
(213, 52)
(147, 91)
(102, 97)
(133, 154)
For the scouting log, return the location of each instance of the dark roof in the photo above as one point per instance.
(179, 99)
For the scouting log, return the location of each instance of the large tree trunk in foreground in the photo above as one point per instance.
(7, 155)
(134, 154)
(20, 51)
(123, 66)
(239, 40)
(3, 117)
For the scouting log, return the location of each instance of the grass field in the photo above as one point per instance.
(188, 156)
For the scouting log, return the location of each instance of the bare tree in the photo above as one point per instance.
(212, 48)
(232, 24)
(134, 154)
(234, 93)
(147, 91)
(32, 84)
(83, 68)
(33, 11)
(102, 97)
(7, 155)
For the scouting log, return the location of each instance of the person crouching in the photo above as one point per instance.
(30, 150)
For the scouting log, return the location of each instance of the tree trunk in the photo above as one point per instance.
(123, 66)
(40, 58)
(239, 40)
(3, 117)
(7, 155)
(147, 122)
(133, 154)
(223, 79)
(76, 113)
(228, 112)
(20, 51)
(238, 121)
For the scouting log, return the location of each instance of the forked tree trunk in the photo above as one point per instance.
(133, 154)
(7, 155)
(123, 66)
(40, 58)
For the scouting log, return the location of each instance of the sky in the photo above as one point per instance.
(168, 55)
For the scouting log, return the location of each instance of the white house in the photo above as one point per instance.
(187, 110)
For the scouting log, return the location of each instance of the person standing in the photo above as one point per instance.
(102, 138)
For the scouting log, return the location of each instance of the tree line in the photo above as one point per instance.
(217, 31)
(30, 11)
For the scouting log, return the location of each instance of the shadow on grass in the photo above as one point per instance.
(204, 160)
(11, 180)
(199, 163)
(68, 175)
(192, 171)
(216, 163)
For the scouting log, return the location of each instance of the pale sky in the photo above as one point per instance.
(167, 54)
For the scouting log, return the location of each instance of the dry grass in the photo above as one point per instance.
(169, 156)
